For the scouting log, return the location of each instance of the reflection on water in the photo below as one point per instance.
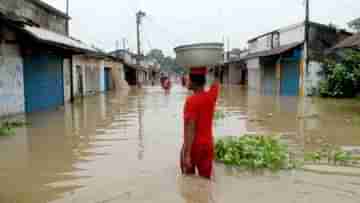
(196, 189)
(123, 147)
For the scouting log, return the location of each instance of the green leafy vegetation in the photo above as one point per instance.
(7, 128)
(253, 152)
(342, 79)
(332, 156)
(219, 115)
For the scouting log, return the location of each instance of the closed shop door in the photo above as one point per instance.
(269, 84)
(290, 78)
(80, 85)
(107, 79)
(254, 77)
(43, 82)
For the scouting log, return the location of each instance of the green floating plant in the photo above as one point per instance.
(332, 155)
(254, 152)
(5, 131)
(219, 115)
(7, 128)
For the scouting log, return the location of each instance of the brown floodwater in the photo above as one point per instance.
(124, 147)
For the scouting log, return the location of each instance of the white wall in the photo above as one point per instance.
(253, 63)
(77, 61)
(254, 79)
(92, 79)
(254, 73)
(292, 35)
(260, 44)
(90, 71)
(12, 100)
(288, 35)
(102, 76)
(312, 78)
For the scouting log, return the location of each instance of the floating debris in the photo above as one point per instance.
(308, 116)
(256, 120)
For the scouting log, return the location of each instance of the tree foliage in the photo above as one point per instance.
(167, 63)
(342, 78)
(355, 25)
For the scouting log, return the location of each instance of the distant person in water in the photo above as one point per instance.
(198, 149)
(183, 80)
(162, 79)
(167, 85)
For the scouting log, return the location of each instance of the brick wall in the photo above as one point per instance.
(40, 15)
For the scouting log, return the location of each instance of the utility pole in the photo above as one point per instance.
(139, 15)
(117, 51)
(117, 45)
(228, 43)
(67, 7)
(307, 36)
(72, 96)
(67, 20)
(124, 43)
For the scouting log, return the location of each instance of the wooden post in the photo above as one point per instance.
(278, 76)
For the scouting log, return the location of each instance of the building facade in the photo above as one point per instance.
(38, 13)
(95, 73)
(234, 70)
(276, 61)
(35, 57)
(136, 72)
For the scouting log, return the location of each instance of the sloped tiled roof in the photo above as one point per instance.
(350, 42)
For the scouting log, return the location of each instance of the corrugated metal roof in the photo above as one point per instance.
(350, 42)
(49, 36)
(272, 52)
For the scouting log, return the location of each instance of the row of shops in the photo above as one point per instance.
(275, 63)
(43, 68)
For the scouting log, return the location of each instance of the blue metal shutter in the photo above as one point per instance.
(43, 82)
(107, 79)
(290, 78)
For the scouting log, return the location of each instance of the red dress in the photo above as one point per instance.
(200, 108)
(183, 81)
(167, 84)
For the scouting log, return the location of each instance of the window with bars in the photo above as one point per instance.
(276, 40)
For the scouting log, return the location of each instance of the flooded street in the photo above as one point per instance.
(124, 147)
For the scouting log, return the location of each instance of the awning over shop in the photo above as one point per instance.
(140, 68)
(130, 66)
(48, 36)
(136, 67)
(272, 52)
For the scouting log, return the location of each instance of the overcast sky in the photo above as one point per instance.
(174, 22)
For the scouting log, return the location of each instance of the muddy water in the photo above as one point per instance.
(123, 147)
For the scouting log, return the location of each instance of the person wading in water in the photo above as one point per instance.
(198, 148)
